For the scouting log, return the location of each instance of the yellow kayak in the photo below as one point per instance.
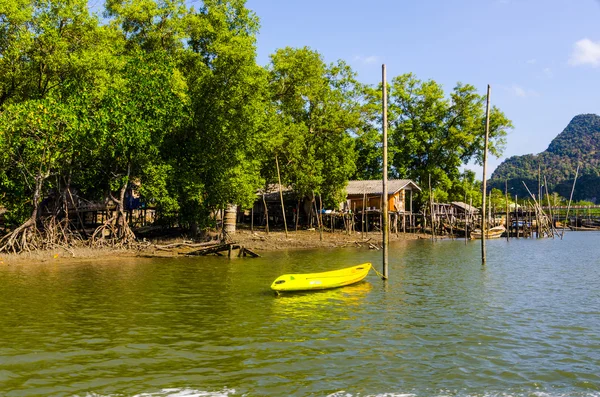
(324, 280)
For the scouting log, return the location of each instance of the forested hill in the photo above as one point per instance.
(578, 143)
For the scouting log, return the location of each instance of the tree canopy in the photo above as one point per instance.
(168, 100)
(432, 135)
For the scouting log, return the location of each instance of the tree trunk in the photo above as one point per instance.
(26, 236)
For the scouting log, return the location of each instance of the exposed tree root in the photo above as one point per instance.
(113, 233)
(47, 234)
(24, 238)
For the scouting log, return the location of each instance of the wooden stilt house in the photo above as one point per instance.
(365, 197)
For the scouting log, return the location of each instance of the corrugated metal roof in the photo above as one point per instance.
(465, 207)
(376, 186)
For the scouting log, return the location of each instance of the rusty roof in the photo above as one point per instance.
(376, 186)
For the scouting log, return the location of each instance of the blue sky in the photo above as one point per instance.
(541, 57)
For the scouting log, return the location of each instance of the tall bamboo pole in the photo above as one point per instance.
(506, 200)
(281, 197)
(549, 208)
(517, 216)
(266, 213)
(569, 206)
(362, 223)
(485, 150)
(384, 198)
(431, 210)
(467, 216)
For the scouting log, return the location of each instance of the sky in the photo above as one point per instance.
(540, 57)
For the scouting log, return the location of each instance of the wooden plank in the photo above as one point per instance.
(210, 250)
(218, 248)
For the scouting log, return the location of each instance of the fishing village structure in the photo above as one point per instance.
(364, 198)
(361, 211)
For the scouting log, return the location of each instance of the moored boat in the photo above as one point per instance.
(495, 232)
(584, 228)
(323, 280)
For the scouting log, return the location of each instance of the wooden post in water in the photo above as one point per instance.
(507, 213)
(384, 198)
(484, 188)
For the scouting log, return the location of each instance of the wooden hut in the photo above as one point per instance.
(400, 194)
(365, 197)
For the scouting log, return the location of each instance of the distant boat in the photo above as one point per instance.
(319, 281)
(584, 228)
(495, 232)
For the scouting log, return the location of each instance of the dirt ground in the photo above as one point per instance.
(258, 241)
(305, 239)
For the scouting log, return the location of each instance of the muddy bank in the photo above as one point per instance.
(259, 242)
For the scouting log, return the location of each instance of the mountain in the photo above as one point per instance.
(578, 143)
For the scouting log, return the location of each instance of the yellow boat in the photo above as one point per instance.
(324, 280)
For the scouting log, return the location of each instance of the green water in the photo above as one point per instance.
(527, 324)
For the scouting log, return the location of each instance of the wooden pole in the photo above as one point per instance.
(431, 211)
(517, 216)
(507, 213)
(467, 215)
(569, 206)
(384, 196)
(281, 197)
(321, 217)
(485, 150)
(550, 211)
(362, 218)
(353, 217)
(266, 214)
(471, 216)
(316, 212)
(297, 214)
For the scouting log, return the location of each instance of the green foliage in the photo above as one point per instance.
(217, 154)
(368, 142)
(432, 136)
(169, 99)
(45, 43)
(140, 108)
(317, 108)
(150, 25)
(39, 137)
(577, 144)
(466, 189)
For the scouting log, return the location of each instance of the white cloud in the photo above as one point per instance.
(522, 92)
(547, 72)
(531, 61)
(367, 60)
(585, 52)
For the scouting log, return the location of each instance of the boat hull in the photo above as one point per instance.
(495, 232)
(320, 281)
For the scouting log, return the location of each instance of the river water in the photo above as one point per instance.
(526, 324)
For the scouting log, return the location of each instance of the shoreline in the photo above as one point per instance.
(257, 241)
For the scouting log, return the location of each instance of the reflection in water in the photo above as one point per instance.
(309, 303)
(526, 324)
